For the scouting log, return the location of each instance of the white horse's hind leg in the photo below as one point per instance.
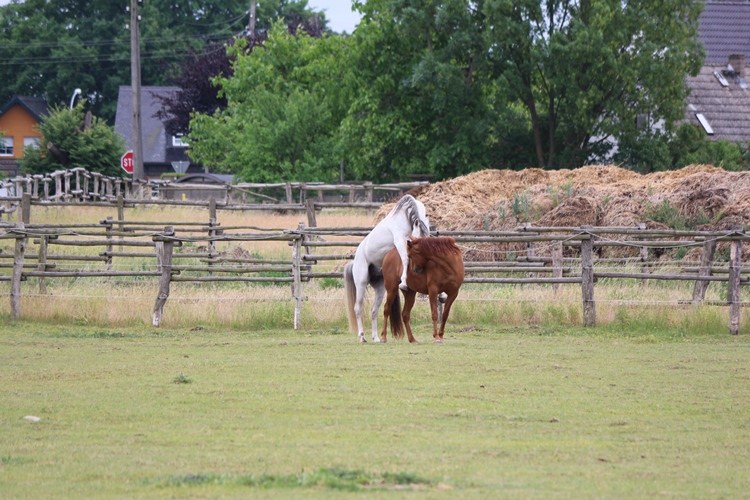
(377, 301)
(360, 282)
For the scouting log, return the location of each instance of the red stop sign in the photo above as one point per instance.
(126, 162)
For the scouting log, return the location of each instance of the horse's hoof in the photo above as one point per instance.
(438, 341)
(362, 340)
(376, 340)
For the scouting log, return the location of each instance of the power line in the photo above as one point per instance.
(219, 35)
(99, 57)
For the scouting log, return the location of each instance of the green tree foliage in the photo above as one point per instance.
(68, 143)
(197, 93)
(585, 69)
(420, 104)
(446, 87)
(50, 47)
(284, 104)
(657, 151)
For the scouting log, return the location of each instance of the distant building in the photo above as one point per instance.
(160, 150)
(19, 122)
(719, 101)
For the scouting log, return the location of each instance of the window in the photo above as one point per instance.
(31, 141)
(6, 146)
(179, 141)
(704, 123)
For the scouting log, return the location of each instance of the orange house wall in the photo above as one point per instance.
(18, 123)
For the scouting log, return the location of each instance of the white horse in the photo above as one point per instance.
(407, 218)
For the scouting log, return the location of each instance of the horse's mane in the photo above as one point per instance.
(408, 204)
(436, 246)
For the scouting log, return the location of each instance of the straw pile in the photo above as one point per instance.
(700, 196)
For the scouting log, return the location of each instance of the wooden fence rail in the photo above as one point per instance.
(79, 187)
(580, 267)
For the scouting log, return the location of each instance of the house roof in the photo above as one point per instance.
(155, 138)
(725, 108)
(205, 178)
(36, 106)
(724, 30)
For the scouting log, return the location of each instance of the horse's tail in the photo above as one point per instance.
(351, 296)
(397, 324)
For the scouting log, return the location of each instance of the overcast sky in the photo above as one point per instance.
(338, 12)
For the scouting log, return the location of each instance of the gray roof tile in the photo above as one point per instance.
(724, 30)
(154, 136)
(727, 109)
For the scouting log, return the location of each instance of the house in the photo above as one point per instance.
(719, 101)
(161, 151)
(19, 123)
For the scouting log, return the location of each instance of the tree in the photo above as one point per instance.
(420, 103)
(586, 69)
(197, 93)
(50, 47)
(284, 104)
(71, 139)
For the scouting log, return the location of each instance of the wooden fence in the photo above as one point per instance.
(311, 247)
(80, 187)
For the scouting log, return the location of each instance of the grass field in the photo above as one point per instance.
(497, 411)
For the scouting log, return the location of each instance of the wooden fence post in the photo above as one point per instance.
(587, 279)
(86, 178)
(42, 262)
(289, 195)
(25, 208)
(557, 263)
(46, 182)
(305, 240)
(15, 281)
(707, 260)
(211, 232)
(733, 295)
(643, 254)
(164, 251)
(297, 279)
(310, 209)
(108, 230)
(530, 248)
(368, 195)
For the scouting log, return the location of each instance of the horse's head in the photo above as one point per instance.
(417, 258)
(420, 223)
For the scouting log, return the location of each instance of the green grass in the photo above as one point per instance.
(497, 411)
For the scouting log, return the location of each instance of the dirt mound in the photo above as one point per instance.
(697, 196)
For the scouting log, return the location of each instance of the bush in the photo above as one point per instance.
(96, 148)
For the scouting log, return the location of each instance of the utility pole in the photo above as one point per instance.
(135, 89)
(251, 22)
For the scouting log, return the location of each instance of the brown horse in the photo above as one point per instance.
(435, 265)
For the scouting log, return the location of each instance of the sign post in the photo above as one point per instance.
(126, 162)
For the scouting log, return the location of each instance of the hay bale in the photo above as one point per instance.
(573, 212)
(597, 195)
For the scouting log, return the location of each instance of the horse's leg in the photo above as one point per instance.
(434, 310)
(446, 312)
(442, 297)
(400, 244)
(386, 313)
(409, 297)
(360, 277)
(377, 301)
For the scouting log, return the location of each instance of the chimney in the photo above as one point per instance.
(738, 64)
